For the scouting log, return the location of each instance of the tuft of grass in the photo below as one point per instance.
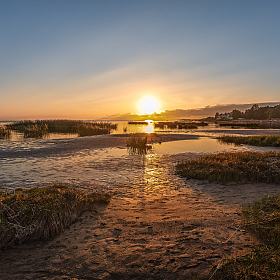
(262, 219)
(138, 145)
(5, 132)
(41, 213)
(238, 167)
(265, 140)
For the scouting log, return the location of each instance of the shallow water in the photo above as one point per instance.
(75, 162)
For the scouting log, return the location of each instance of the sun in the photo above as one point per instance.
(148, 105)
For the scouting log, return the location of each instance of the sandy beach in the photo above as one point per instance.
(159, 227)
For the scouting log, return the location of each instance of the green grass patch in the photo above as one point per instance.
(262, 219)
(41, 213)
(233, 167)
(265, 140)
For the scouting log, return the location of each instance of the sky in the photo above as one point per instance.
(89, 59)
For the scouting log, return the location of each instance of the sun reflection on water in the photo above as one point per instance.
(150, 128)
(152, 174)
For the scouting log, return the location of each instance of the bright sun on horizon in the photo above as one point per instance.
(149, 105)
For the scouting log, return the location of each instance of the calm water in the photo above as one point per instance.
(64, 159)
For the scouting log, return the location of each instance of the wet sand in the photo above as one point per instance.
(159, 226)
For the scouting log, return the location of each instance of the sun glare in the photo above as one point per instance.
(148, 105)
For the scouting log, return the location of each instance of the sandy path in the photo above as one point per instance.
(182, 234)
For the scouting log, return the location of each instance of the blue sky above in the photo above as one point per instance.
(88, 59)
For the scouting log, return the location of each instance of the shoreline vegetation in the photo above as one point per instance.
(264, 140)
(42, 213)
(253, 124)
(262, 220)
(233, 167)
(171, 125)
(4, 132)
(41, 128)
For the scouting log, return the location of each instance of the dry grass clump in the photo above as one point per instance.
(265, 140)
(138, 145)
(35, 131)
(89, 129)
(238, 167)
(261, 218)
(5, 132)
(41, 213)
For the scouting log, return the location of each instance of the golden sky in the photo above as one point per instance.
(92, 59)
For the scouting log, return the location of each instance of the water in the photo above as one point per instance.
(81, 162)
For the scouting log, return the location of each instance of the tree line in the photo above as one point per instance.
(256, 113)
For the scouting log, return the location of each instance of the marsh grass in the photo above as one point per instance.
(262, 219)
(187, 126)
(138, 145)
(40, 128)
(246, 124)
(264, 140)
(264, 124)
(88, 129)
(35, 131)
(238, 167)
(5, 132)
(41, 213)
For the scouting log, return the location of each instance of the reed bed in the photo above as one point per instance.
(41, 213)
(262, 219)
(35, 131)
(40, 128)
(5, 132)
(262, 124)
(187, 126)
(138, 145)
(88, 129)
(238, 167)
(239, 124)
(180, 125)
(266, 140)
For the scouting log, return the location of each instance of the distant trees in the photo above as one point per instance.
(274, 113)
(256, 113)
(236, 114)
